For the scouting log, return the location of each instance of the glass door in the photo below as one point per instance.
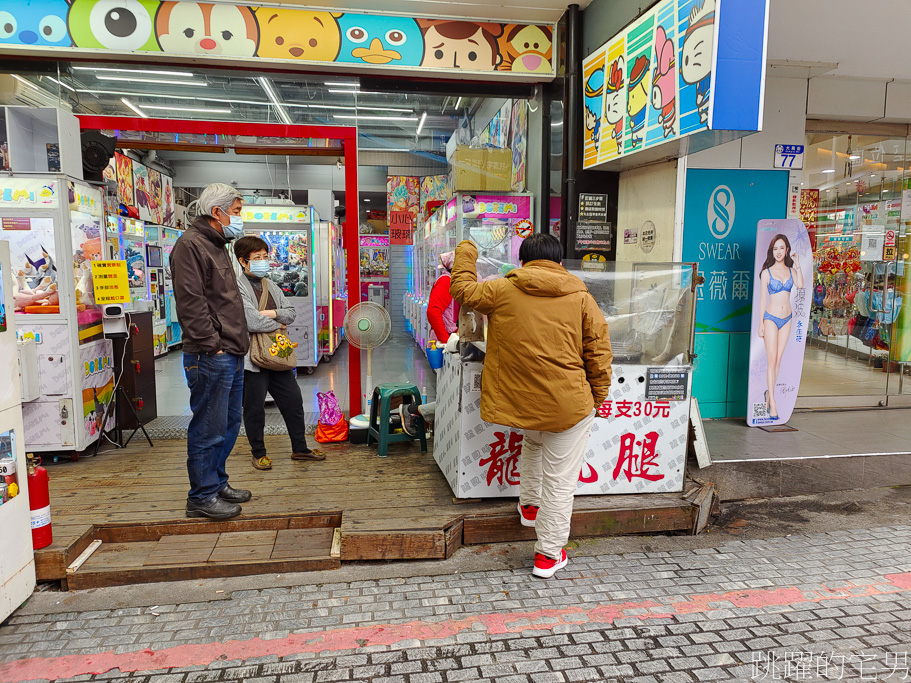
(851, 202)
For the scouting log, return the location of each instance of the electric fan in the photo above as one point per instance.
(367, 326)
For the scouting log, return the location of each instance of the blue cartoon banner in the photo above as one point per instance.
(224, 31)
(684, 67)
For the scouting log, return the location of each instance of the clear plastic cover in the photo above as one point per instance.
(649, 308)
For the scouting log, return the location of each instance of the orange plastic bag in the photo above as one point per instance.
(332, 433)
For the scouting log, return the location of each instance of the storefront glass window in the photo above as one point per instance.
(851, 202)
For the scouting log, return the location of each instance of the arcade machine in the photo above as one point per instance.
(331, 286)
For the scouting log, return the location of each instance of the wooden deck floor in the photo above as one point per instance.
(399, 507)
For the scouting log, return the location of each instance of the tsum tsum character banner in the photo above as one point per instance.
(683, 68)
(231, 32)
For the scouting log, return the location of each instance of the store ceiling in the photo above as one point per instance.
(387, 122)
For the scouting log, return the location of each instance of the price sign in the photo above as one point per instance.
(789, 156)
(400, 225)
(111, 282)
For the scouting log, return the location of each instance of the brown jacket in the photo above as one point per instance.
(548, 350)
(209, 307)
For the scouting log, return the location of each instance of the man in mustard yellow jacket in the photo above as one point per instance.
(548, 367)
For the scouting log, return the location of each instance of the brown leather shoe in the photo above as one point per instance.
(309, 455)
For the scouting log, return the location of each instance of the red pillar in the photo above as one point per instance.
(352, 220)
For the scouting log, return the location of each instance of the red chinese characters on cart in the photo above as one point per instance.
(617, 409)
(638, 455)
(503, 462)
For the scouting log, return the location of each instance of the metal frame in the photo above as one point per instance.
(348, 137)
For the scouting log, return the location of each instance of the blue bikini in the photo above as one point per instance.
(775, 287)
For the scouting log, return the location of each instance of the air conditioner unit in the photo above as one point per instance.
(29, 94)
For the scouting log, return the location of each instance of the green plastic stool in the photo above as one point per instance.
(379, 429)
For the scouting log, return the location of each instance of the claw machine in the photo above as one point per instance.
(332, 289)
(17, 559)
(54, 225)
(169, 239)
(374, 265)
(289, 232)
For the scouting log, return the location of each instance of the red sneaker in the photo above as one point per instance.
(546, 567)
(528, 514)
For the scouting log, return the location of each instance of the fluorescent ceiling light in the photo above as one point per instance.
(556, 124)
(358, 92)
(270, 93)
(385, 149)
(134, 71)
(29, 83)
(134, 107)
(458, 102)
(348, 107)
(374, 118)
(366, 200)
(160, 81)
(421, 124)
(343, 84)
(196, 109)
(854, 157)
(829, 170)
(68, 87)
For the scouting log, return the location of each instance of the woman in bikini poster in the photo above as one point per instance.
(781, 311)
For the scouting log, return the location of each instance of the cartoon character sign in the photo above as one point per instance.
(526, 49)
(613, 102)
(114, 24)
(155, 195)
(295, 34)
(124, 178)
(34, 23)
(380, 40)
(594, 92)
(696, 55)
(461, 44)
(637, 99)
(664, 89)
(204, 29)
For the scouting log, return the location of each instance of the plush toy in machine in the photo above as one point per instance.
(47, 268)
(30, 274)
(24, 295)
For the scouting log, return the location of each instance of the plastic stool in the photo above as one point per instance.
(379, 429)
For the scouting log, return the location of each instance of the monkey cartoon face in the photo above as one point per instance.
(193, 28)
(114, 24)
(296, 34)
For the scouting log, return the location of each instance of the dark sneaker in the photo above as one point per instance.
(545, 567)
(217, 508)
(233, 495)
(409, 421)
(308, 455)
(528, 514)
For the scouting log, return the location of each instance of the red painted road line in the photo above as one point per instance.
(391, 634)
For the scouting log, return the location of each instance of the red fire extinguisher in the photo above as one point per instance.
(39, 502)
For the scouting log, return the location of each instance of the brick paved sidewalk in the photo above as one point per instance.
(825, 606)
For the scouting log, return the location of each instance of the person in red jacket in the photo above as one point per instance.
(443, 316)
(442, 310)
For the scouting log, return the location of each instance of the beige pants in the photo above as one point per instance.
(549, 469)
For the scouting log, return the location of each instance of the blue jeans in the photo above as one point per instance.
(216, 399)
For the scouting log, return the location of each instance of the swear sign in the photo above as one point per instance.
(400, 227)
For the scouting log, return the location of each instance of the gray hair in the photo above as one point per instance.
(216, 195)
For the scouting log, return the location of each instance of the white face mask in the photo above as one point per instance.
(235, 228)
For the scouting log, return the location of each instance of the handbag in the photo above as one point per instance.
(332, 426)
(272, 350)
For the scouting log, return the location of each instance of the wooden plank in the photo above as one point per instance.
(117, 556)
(336, 550)
(124, 531)
(393, 545)
(119, 577)
(454, 538)
(246, 539)
(248, 553)
(83, 557)
(194, 549)
(303, 543)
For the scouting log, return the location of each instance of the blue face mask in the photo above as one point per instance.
(259, 268)
(234, 229)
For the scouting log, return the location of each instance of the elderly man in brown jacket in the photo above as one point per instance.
(547, 369)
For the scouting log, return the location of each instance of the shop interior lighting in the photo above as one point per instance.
(201, 110)
(68, 87)
(829, 170)
(343, 84)
(185, 74)
(132, 106)
(385, 149)
(30, 84)
(366, 199)
(421, 123)
(853, 157)
(374, 118)
(270, 93)
(160, 81)
(458, 102)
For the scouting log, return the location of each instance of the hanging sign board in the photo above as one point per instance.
(400, 225)
(789, 157)
(593, 208)
(593, 237)
(111, 282)
(666, 384)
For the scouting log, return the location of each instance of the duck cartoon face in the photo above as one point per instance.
(296, 34)
(380, 40)
(461, 45)
(34, 22)
(123, 25)
(193, 28)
